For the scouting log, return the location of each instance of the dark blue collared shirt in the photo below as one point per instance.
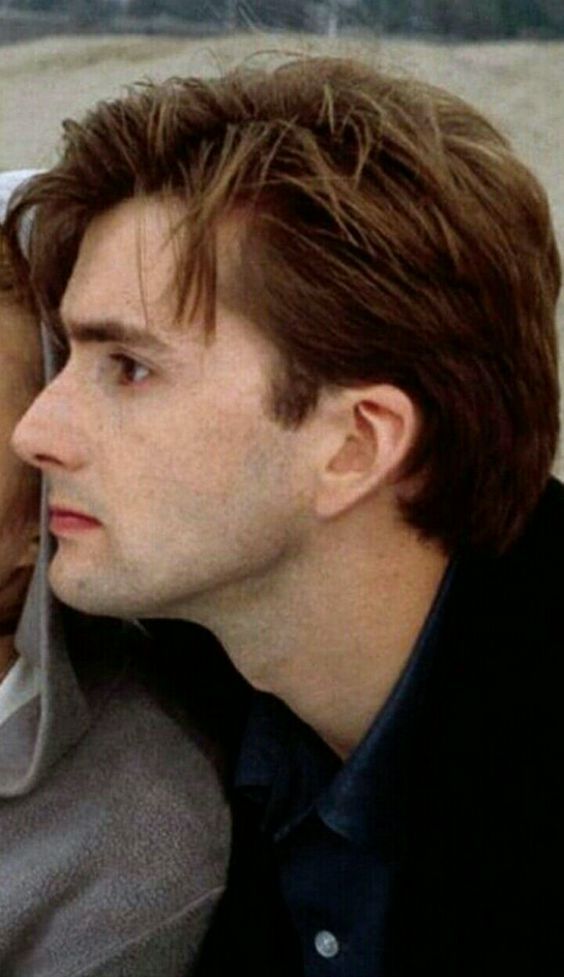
(336, 829)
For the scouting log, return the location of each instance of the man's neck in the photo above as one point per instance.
(331, 636)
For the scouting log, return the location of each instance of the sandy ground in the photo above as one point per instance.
(518, 84)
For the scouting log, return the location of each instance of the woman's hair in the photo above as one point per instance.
(389, 235)
(14, 286)
(8, 276)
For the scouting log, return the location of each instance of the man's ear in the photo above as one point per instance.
(372, 431)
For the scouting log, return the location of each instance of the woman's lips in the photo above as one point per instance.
(66, 521)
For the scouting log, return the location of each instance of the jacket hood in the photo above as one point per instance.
(42, 729)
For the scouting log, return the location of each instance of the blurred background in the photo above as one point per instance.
(57, 57)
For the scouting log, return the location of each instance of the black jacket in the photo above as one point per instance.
(480, 820)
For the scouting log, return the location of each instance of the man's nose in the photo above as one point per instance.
(47, 435)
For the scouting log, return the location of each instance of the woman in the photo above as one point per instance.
(114, 831)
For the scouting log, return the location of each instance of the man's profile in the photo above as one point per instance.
(311, 402)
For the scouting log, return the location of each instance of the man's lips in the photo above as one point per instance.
(63, 520)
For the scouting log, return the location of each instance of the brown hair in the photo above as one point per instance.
(390, 236)
(14, 286)
(8, 277)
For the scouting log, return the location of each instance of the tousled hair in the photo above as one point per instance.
(390, 235)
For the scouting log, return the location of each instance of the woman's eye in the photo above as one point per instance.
(129, 371)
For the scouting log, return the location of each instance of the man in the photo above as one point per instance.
(114, 829)
(311, 403)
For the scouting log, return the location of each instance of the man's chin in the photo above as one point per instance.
(82, 593)
(96, 593)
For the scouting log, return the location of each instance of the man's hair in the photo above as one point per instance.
(390, 236)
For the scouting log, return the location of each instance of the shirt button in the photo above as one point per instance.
(326, 944)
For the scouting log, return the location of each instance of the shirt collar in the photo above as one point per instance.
(283, 765)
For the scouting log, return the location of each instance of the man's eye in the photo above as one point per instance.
(129, 371)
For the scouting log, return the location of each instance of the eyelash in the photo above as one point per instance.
(123, 364)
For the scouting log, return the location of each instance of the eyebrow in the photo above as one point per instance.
(111, 331)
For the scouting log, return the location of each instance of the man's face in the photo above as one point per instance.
(170, 484)
(20, 368)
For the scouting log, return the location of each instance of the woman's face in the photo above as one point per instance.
(20, 373)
